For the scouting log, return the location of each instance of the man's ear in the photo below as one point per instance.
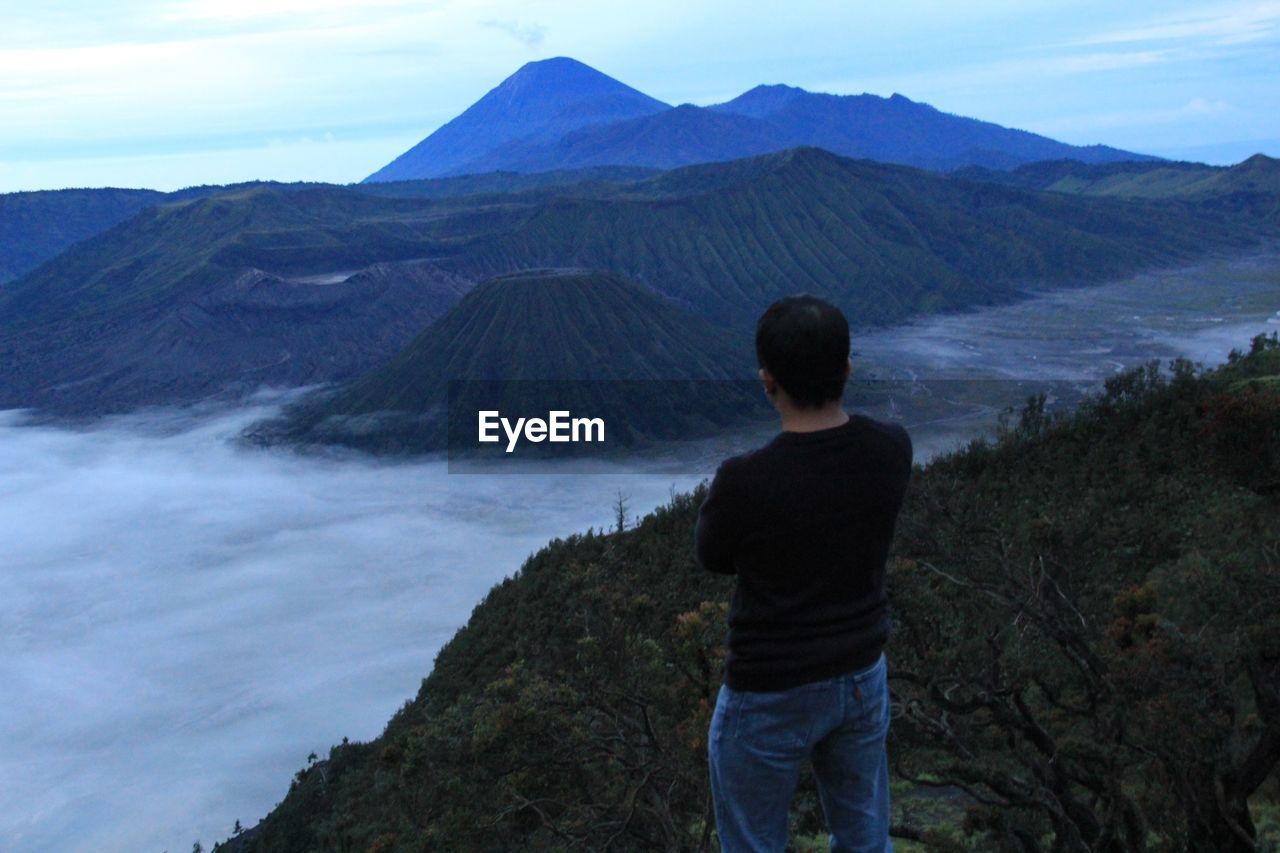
(848, 367)
(767, 380)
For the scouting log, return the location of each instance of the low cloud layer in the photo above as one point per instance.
(184, 621)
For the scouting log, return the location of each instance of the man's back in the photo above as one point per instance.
(805, 522)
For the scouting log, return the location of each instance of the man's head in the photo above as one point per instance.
(802, 344)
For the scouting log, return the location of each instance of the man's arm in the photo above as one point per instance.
(716, 534)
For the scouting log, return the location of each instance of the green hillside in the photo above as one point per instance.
(1259, 174)
(35, 226)
(615, 350)
(83, 332)
(220, 295)
(503, 183)
(174, 250)
(1086, 657)
(883, 242)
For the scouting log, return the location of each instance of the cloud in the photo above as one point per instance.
(252, 10)
(1196, 108)
(322, 157)
(1218, 25)
(527, 34)
(1208, 35)
(999, 72)
(184, 620)
(1090, 62)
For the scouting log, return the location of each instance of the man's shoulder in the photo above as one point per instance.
(737, 472)
(737, 466)
(889, 432)
(883, 439)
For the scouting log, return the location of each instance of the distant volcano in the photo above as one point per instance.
(562, 114)
(537, 105)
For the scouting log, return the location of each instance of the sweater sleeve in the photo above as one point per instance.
(716, 534)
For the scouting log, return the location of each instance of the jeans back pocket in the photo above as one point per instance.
(775, 721)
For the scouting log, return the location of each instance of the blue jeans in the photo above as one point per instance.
(759, 741)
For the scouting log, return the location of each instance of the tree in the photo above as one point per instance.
(1083, 646)
(620, 512)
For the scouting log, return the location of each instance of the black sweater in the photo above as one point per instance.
(805, 522)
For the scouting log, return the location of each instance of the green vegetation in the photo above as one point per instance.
(176, 252)
(36, 226)
(504, 183)
(882, 242)
(724, 239)
(1086, 639)
(1087, 657)
(178, 303)
(1259, 175)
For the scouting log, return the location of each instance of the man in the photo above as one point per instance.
(805, 523)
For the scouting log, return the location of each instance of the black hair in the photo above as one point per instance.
(804, 342)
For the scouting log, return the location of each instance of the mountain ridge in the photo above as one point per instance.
(521, 125)
(808, 219)
(1251, 181)
(542, 100)
(37, 226)
(101, 327)
(897, 129)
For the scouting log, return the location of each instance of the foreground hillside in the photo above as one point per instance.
(1087, 657)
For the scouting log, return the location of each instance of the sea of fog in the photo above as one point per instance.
(183, 619)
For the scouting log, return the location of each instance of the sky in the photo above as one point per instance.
(172, 93)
